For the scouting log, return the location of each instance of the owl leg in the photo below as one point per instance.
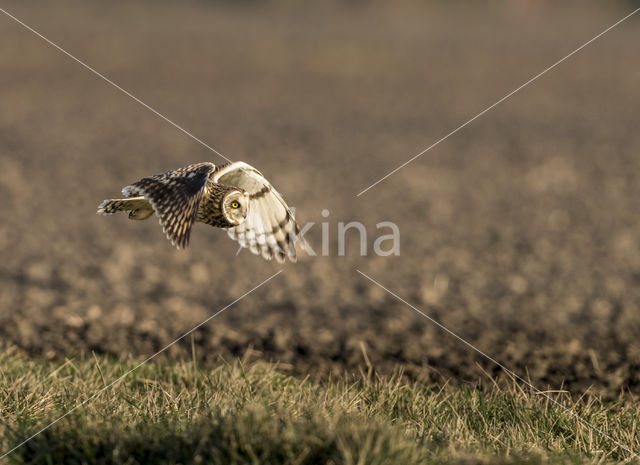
(138, 207)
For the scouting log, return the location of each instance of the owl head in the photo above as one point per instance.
(235, 205)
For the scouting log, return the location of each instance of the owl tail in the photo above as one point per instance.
(138, 207)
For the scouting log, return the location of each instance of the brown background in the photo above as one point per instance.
(521, 233)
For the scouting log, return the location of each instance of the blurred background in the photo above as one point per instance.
(521, 232)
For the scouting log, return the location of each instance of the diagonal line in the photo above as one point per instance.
(114, 85)
(498, 102)
(511, 373)
(138, 366)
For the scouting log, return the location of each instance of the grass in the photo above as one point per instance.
(253, 413)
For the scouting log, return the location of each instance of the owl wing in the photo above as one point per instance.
(269, 229)
(174, 197)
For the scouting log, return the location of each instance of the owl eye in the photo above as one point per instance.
(235, 204)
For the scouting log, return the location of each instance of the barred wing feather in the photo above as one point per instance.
(269, 229)
(174, 197)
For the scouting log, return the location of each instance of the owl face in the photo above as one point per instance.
(235, 206)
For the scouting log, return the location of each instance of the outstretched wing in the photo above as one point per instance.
(174, 197)
(269, 229)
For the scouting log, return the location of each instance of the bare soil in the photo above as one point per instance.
(520, 233)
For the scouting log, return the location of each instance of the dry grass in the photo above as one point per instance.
(253, 413)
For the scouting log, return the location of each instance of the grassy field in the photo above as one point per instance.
(253, 413)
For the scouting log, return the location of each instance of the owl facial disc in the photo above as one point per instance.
(235, 206)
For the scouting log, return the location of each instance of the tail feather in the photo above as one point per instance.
(138, 207)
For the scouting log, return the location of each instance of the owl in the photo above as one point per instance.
(233, 196)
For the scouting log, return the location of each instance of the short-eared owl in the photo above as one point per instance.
(234, 196)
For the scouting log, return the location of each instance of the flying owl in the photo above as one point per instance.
(233, 196)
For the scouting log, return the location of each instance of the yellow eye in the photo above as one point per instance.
(235, 204)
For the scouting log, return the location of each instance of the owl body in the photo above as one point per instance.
(211, 210)
(234, 196)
